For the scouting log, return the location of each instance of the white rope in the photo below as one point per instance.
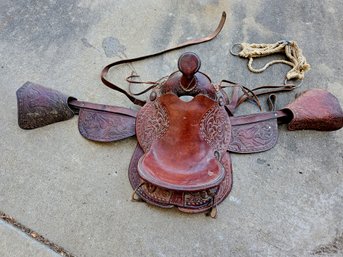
(290, 48)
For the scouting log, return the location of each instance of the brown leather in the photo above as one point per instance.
(257, 117)
(182, 159)
(180, 153)
(175, 158)
(266, 90)
(185, 161)
(77, 105)
(104, 126)
(190, 202)
(254, 137)
(104, 123)
(315, 109)
(39, 106)
(199, 84)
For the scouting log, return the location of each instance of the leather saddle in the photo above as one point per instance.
(184, 133)
(185, 129)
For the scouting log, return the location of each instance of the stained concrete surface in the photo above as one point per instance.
(285, 202)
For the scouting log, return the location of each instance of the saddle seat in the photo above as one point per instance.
(179, 155)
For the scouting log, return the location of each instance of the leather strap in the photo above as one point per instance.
(258, 117)
(266, 90)
(252, 94)
(154, 84)
(76, 105)
(187, 43)
(248, 93)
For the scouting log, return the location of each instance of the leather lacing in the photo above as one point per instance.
(252, 94)
(134, 193)
(213, 210)
(153, 84)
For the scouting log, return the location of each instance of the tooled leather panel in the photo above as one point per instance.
(254, 137)
(215, 128)
(191, 202)
(219, 193)
(152, 123)
(105, 126)
(146, 191)
(39, 106)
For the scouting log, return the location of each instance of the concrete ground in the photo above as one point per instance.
(15, 243)
(285, 202)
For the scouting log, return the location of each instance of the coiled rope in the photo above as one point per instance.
(290, 48)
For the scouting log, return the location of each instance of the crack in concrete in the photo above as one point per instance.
(34, 235)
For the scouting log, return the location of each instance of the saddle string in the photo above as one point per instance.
(264, 90)
(271, 101)
(235, 99)
(213, 210)
(189, 87)
(134, 193)
(135, 100)
(295, 57)
(153, 84)
(252, 95)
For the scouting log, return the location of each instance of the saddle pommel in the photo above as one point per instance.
(188, 80)
(189, 64)
(315, 109)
